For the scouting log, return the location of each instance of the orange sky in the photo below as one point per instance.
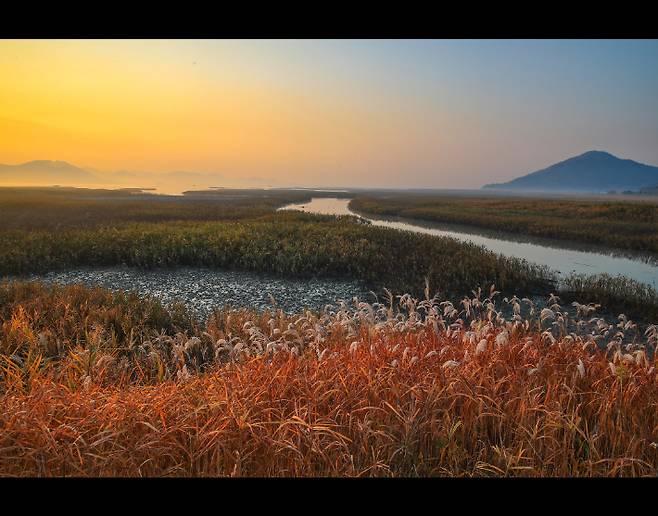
(306, 113)
(115, 105)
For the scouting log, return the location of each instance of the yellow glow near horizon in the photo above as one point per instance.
(327, 113)
(116, 105)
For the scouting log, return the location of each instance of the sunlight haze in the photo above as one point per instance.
(436, 114)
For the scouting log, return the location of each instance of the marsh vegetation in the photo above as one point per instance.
(462, 383)
(260, 240)
(617, 224)
(99, 383)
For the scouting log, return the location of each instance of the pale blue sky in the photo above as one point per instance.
(523, 104)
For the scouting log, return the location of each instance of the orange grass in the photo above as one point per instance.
(452, 393)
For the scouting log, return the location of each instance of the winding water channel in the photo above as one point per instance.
(561, 256)
(202, 289)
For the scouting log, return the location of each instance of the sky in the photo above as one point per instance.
(360, 113)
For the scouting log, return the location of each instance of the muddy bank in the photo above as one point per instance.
(202, 289)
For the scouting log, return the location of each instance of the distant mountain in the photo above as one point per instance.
(48, 173)
(594, 171)
(45, 172)
(649, 190)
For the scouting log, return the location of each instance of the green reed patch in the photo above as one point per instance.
(617, 293)
(284, 243)
(618, 224)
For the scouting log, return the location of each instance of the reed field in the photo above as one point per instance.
(511, 380)
(639, 299)
(57, 208)
(628, 225)
(101, 384)
(251, 237)
(318, 258)
(49, 229)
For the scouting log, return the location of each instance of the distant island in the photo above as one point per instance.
(46, 172)
(593, 171)
(63, 173)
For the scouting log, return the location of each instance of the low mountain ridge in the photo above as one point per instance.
(46, 172)
(593, 171)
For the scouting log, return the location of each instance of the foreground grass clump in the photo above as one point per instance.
(401, 388)
(619, 224)
(639, 299)
(50, 321)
